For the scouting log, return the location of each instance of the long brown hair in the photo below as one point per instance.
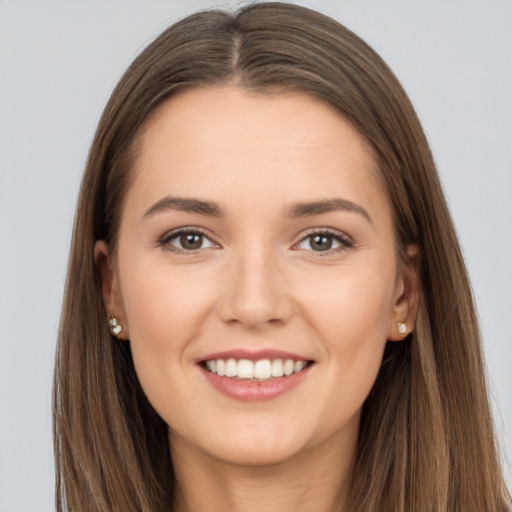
(426, 438)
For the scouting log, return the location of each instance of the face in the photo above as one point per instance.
(256, 276)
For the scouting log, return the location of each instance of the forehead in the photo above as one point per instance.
(210, 141)
(209, 114)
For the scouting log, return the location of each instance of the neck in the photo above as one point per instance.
(314, 480)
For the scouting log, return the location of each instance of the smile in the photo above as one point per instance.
(261, 370)
(255, 376)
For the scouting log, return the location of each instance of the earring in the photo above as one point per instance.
(115, 326)
(402, 327)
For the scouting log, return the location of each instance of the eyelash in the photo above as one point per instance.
(165, 240)
(344, 241)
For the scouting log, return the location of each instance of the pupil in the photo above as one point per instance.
(321, 243)
(191, 241)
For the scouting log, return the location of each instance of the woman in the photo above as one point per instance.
(266, 304)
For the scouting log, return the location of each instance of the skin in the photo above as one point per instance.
(257, 282)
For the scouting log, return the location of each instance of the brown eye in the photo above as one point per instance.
(321, 242)
(191, 241)
(186, 241)
(325, 242)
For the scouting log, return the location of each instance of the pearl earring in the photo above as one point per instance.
(402, 327)
(115, 326)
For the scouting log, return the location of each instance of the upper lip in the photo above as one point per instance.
(253, 355)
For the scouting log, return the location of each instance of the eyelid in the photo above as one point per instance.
(346, 242)
(163, 241)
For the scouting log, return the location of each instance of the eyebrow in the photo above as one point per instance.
(185, 204)
(296, 210)
(313, 208)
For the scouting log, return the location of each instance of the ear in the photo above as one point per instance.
(110, 287)
(406, 296)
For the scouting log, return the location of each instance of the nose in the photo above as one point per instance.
(255, 294)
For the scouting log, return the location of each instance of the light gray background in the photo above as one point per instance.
(58, 63)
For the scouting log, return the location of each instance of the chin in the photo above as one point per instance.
(254, 445)
(254, 454)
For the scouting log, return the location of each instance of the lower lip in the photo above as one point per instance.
(255, 391)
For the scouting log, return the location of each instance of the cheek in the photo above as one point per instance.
(165, 308)
(352, 307)
(351, 316)
(163, 301)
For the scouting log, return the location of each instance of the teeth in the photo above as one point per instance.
(298, 366)
(288, 367)
(277, 368)
(263, 369)
(245, 369)
(231, 368)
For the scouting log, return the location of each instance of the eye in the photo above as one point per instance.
(186, 240)
(325, 242)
